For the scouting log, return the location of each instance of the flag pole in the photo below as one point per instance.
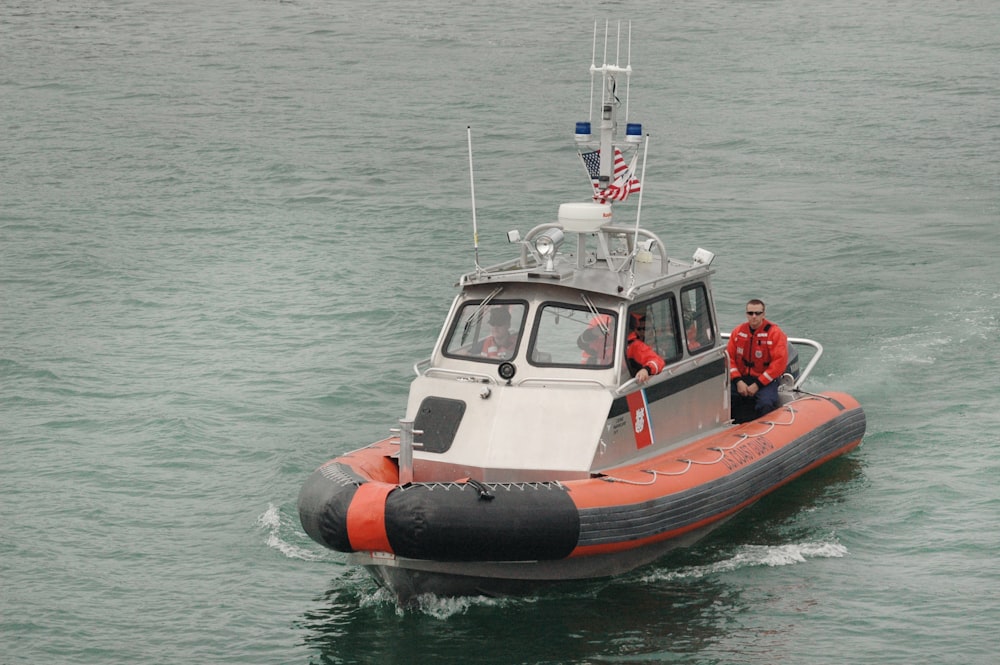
(638, 208)
(472, 189)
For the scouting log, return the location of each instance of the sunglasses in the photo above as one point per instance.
(749, 313)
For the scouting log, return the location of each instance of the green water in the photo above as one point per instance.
(229, 229)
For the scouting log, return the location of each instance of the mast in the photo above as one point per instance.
(603, 150)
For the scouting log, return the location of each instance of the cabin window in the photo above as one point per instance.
(697, 315)
(490, 333)
(661, 326)
(572, 336)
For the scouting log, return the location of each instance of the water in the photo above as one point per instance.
(212, 238)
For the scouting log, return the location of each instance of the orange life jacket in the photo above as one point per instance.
(760, 354)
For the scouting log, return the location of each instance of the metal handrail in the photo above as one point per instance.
(423, 368)
(679, 367)
(538, 379)
(626, 387)
(812, 361)
(458, 373)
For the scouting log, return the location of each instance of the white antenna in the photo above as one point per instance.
(638, 208)
(593, 70)
(472, 188)
(628, 70)
(605, 61)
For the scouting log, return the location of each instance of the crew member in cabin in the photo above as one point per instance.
(643, 361)
(598, 341)
(500, 344)
(597, 344)
(758, 356)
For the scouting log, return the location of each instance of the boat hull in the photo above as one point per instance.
(466, 537)
(410, 578)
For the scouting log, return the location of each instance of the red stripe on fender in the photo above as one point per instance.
(366, 518)
(641, 426)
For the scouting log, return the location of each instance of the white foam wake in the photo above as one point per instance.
(756, 555)
(435, 606)
(271, 521)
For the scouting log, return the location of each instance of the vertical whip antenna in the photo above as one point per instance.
(628, 71)
(618, 44)
(472, 189)
(605, 61)
(638, 209)
(593, 60)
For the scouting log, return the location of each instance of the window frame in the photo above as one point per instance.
(653, 305)
(711, 340)
(537, 327)
(457, 320)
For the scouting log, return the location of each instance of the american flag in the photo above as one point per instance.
(621, 186)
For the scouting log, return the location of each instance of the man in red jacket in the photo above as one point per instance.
(596, 342)
(758, 356)
(642, 360)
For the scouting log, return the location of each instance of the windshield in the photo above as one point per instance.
(573, 336)
(490, 333)
(564, 335)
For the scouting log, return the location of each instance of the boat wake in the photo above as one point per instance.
(751, 556)
(437, 607)
(271, 522)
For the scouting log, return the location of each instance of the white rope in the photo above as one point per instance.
(741, 438)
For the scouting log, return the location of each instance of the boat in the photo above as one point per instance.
(528, 454)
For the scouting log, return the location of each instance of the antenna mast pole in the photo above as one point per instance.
(472, 189)
(628, 70)
(638, 210)
(593, 69)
